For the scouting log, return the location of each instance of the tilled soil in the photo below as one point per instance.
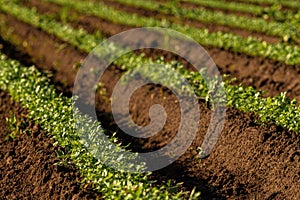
(29, 167)
(249, 161)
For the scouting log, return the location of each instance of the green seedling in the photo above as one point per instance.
(15, 126)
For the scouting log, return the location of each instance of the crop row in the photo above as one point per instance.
(272, 12)
(287, 3)
(279, 110)
(250, 46)
(55, 115)
(284, 30)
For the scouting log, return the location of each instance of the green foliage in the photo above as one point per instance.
(271, 12)
(287, 3)
(278, 110)
(230, 5)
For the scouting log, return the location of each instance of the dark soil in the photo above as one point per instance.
(48, 61)
(28, 164)
(249, 161)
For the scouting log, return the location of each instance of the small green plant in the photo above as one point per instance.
(101, 89)
(15, 126)
(63, 14)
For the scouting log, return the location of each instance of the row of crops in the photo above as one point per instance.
(270, 12)
(235, 94)
(283, 30)
(291, 4)
(288, 54)
(54, 112)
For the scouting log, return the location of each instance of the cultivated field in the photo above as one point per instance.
(256, 47)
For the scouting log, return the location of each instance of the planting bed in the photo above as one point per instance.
(29, 164)
(250, 161)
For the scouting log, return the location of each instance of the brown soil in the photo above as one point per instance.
(249, 161)
(195, 23)
(28, 164)
(34, 41)
(80, 20)
(263, 74)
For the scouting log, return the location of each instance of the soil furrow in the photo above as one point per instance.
(249, 161)
(49, 53)
(28, 164)
(263, 74)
